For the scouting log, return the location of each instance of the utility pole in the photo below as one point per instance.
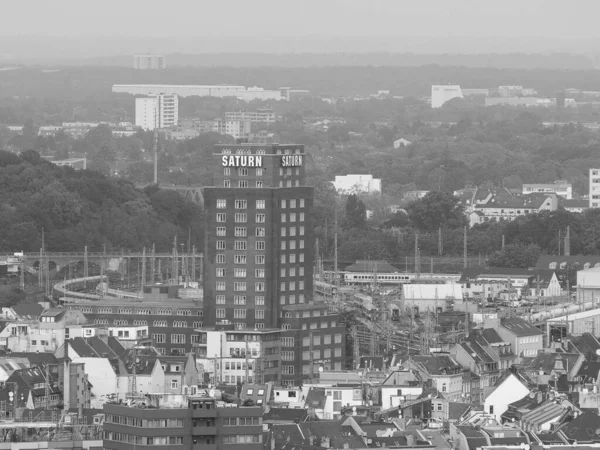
(417, 262)
(194, 264)
(502, 242)
(153, 265)
(143, 269)
(568, 241)
(175, 262)
(440, 245)
(356, 347)
(465, 261)
(335, 243)
(559, 240)
(85, 263)
(22, 274)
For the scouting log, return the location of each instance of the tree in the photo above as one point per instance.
(356, 213)
(436, 210)
(520, 256)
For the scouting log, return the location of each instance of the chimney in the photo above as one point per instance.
(410, 440)
(311, 439)
(325, 442)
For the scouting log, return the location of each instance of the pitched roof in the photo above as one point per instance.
(316, 398)
(439, 364)
(93, 347)
(456, 410)
(371, 266)
(520, 327)
(544, 261)
(492, 336)
(584, 428)
(529, 201)
(286, 415)
(589, 371)
(288, 436)
(547, 361)
(586, 344)
(35, 358)
(28, 310)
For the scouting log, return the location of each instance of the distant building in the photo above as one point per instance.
(508, 208)
(75, 163)
(235, 128)
(357, 184)
(594, 188)
(440, 94)
(560, 187)
(398, 143)
(519, 101)
(240, 92)
(574, 206)
(258, 116)
(49, 130)
(156, 111)
(147, 62)
(471, 92)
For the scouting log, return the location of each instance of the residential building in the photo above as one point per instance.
(441, 94)
(525, 339)
(399, 387)
(22, 311)
(508, 208)
(171, 320)
(594, 188)
(312, 341)
(357, 184)
(508, 389)
(574, 205)
(442, 371)
(233, 356)
(157, 111)
(240, 92)
(186, 421)
(104, 368)
(326, 403)
(238, 129)
(477, 356)
(35, 388)
(547, 368)
(561, 188)
(149, 62)
(265, 115)
(46, 334)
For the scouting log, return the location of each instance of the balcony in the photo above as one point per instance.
(202, 446)
(204, 431)
(200, 413)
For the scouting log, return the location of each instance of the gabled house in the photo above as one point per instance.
(545, 368)
(509, 388)
(284, 415)
(442, 371)
(22, 311)
(400, 386)
(510, 207)
(477, 356)
(34, 388)
(506, 357)
(525, 339)
(106, 372)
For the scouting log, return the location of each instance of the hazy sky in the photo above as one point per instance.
(561, 19)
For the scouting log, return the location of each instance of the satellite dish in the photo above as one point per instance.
(137, 360)
(354, 409)
(321, 369)
(598, 352)
(211, 393)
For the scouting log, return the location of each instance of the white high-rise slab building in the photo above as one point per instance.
(594, 193)
(146, 62)
(440, 94)
(160, 111)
